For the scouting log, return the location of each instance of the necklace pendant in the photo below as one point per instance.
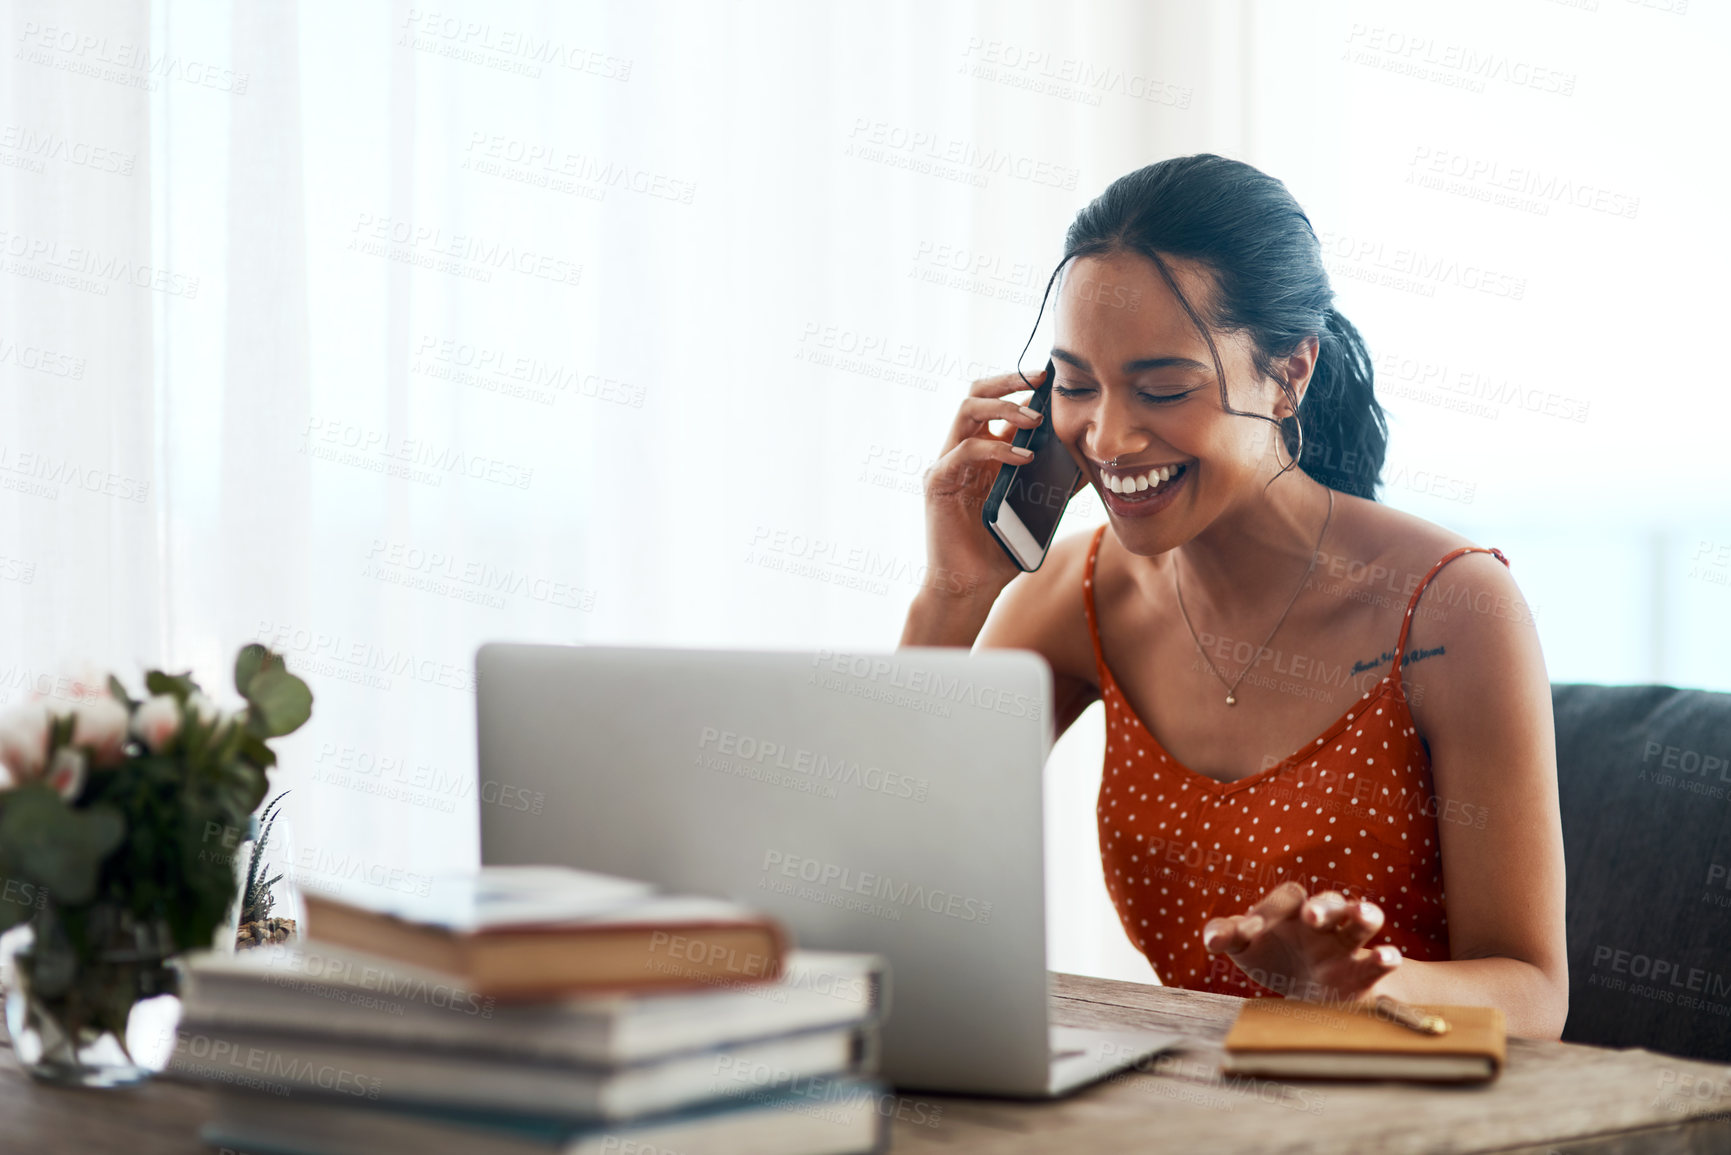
(1231, 701)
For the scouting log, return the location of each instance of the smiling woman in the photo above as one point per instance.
(1321, 815)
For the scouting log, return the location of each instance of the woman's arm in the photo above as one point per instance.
(1485, 713)
(1039, 611)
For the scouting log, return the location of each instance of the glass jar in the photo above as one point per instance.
(106, 1020)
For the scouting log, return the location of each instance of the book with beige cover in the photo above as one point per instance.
(538, 932)
(1290, 1039)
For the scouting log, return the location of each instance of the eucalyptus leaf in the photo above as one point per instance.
(252, 660)
(180, 685)
(56, 846)
(253, 749)
(118, 689)
(280, 701)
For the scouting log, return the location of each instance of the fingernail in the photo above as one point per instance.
(1389, 955)
(1021, 451)
(1035, 413)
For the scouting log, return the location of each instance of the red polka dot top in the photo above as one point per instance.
(1352, 811)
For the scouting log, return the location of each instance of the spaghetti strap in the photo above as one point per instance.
(1406, 621)
(1088, 603)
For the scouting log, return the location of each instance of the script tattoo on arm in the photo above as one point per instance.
(1388, 656)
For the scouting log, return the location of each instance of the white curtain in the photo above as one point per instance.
(375, 332)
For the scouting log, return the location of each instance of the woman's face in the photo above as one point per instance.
(1134, 381)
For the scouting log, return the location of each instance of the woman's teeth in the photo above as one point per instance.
(1141, 481)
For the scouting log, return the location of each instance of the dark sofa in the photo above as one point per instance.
(1644, 775)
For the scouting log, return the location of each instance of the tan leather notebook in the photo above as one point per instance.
(1289, 1039)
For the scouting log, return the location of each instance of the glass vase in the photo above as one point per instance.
(105, 1021)
(267, 856)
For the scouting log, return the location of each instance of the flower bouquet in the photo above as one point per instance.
(113, 811)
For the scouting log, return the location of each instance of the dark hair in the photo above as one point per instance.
(1268, 280)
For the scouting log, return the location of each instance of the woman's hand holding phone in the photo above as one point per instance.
(966, 568)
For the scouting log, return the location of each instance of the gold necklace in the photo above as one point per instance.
(1232, 690)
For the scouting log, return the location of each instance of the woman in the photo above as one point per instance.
(1330, 768)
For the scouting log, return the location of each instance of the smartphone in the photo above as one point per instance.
(1027, 501)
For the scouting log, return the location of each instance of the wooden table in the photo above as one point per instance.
(1551, 1098)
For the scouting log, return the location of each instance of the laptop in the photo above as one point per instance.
(884, 802)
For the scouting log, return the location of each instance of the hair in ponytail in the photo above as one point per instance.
(1266, 264)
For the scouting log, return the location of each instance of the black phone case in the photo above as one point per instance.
(1041, 402)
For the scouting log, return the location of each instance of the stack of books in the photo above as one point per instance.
(529, 1010)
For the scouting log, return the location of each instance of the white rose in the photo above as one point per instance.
(99, 725)
(24, 742)
(66, 772)
(211, 712)
(157, 721)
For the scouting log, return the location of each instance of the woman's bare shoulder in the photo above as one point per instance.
(1381, 559)
(1387, 547)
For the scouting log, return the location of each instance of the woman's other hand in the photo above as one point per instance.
(1302, 946)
